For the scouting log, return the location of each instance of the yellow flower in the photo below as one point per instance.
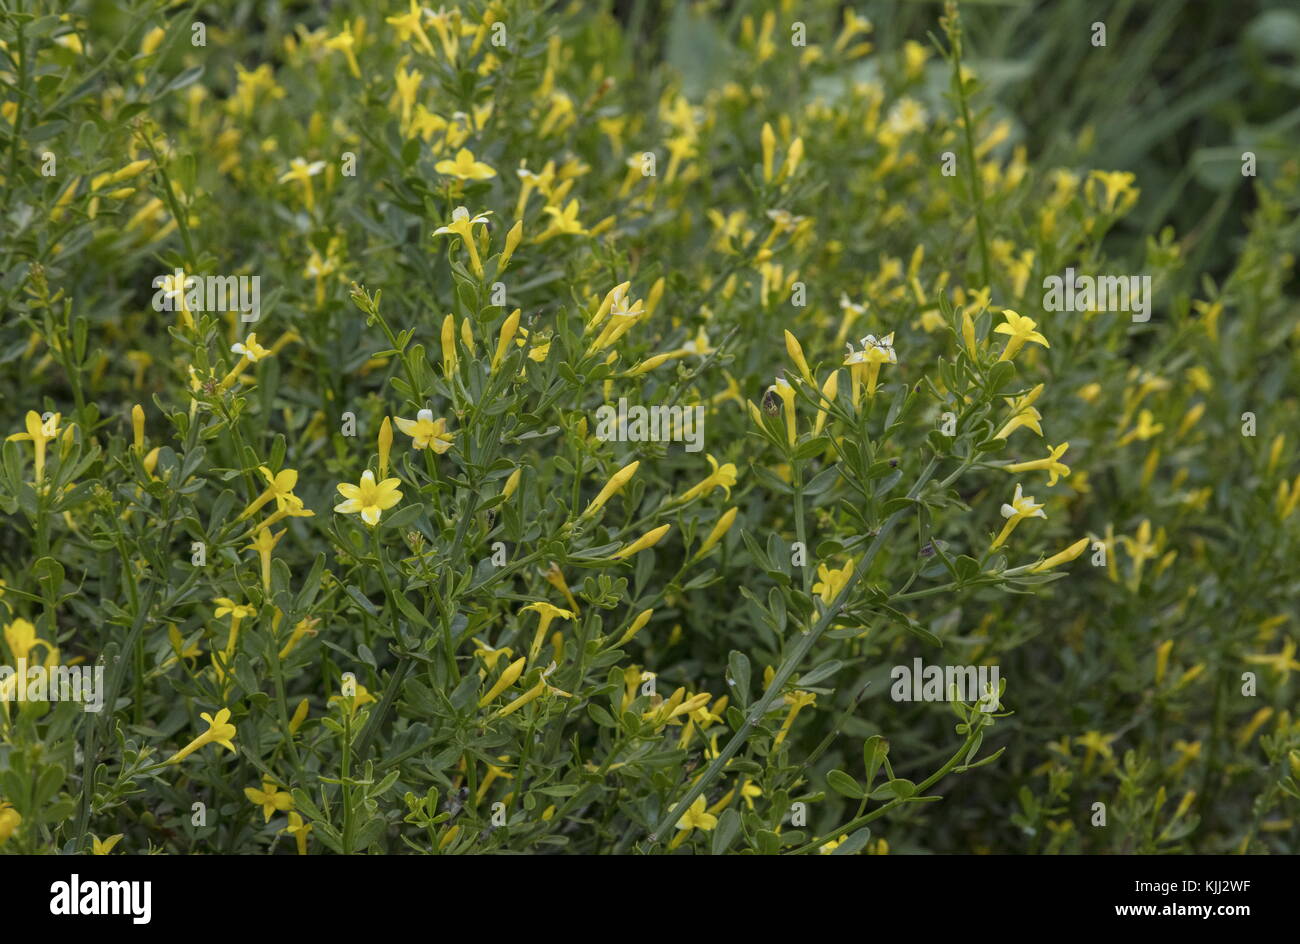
(137, 428)
(1120, 194)
(563, 222)
(795, 350)
(546, 613)
(264, 543)
(1141, 548)
(408, 25)
(1055, 468)
(426, 432)
(638, 624)
(462, 225)
(10, 820)
(304, 627)
(465, 167)
(1283, 663)
(270, 798)
(797, 701)
(280, 486)
(104, 847)
(360, 696)
(647, 540)
(250, 353)
(343, 43)
(831, 581)
(20, 636)
(299, 830)
(719, 531)
(866, 363)
(1145, 429)
(368, 498)
(697, 817)
(509, 328)
(385, 444)
(237, 612)
(1095, 743)
(829, 390)
(1022, 414)
(1022, 506)
(722, 477)
(40, 433)
(1064, 557)
(1020, 330)
(513, 238)
(301, 172)
(783, 389)
(611, 488)
(299, 716)
(508, 678)
(767, 140)
(220, 731)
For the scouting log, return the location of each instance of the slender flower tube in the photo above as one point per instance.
(647, 540)
(1064, 557)
(508, 678)
(546, 613)
(220, 731)
(508, 330)
(719, 531)
(611, 488)
(385, 445)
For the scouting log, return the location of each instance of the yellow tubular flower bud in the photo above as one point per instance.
(449, 360)
(968, 333)
(512, 483)
(137, 426)
(508, 678)
(719, 531)
(638, 624)
(385, 445)
(646, 541)
(612, 488)
(768, 140)
(656, 294)
(508, 330)
(1067, 555)
(513, 238)
(795, 350)
(829, 391)
(467, 336)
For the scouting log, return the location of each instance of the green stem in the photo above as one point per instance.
(792, 662)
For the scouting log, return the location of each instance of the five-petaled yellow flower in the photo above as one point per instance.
(368, 497)
(220, 731)
(270, 798)
(1021, 330)
(831, 581)
(1022, 506)
(1052, 463)
(465, 167)
(426, 432)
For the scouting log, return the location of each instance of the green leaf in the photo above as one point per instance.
(843, 784)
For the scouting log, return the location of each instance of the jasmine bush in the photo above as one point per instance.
(513, 428)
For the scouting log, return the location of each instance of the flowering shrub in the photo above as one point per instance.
(463, 432)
